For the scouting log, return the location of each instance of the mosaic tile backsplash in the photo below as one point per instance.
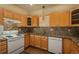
(59, 31)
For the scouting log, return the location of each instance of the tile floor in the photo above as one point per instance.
(34, 50)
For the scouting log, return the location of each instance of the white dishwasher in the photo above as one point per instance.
(55, 45)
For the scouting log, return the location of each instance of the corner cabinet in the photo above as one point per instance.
(60, 19)
(70, 47)
(44, 22)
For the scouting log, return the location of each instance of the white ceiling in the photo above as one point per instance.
(36, 9)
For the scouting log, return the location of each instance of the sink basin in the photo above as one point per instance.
(9, 36)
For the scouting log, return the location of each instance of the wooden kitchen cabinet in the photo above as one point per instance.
(32, 40)
(8, 14)
(44, 43)
(16, 16)
(60, 19)
(64, 19)
(75, 48)
(35, 21)
(3, 46)
(23, 21)
(67, 46)
(54, 19)
(70, 47)
(26, 40)
(37, 41)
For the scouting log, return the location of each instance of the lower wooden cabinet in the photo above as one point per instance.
(26, 40)
(3, 47)
(75, 48)
(67, 46)
(38, 41)
(44, 43)
(70, 47)
(32, 40)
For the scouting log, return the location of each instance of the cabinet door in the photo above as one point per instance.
(75, 48)
(44, 43)
(67, 46)
(32, 40)
(23, 21)
(27, 41)
(37, 41)
(16, 16)
(54, 19)
(35, 21)
(60, 19)
(3, 49)
(64, 19)
(8, 14)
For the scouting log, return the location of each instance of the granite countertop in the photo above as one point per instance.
(74, 39)
(2, 39)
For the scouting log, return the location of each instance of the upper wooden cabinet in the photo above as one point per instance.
(60, 19)
(54, 19)
(8, 14)
(35, 21)
(65, 19)
(23, 20)
(16, 16)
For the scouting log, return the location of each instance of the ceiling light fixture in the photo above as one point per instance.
(43, 14)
